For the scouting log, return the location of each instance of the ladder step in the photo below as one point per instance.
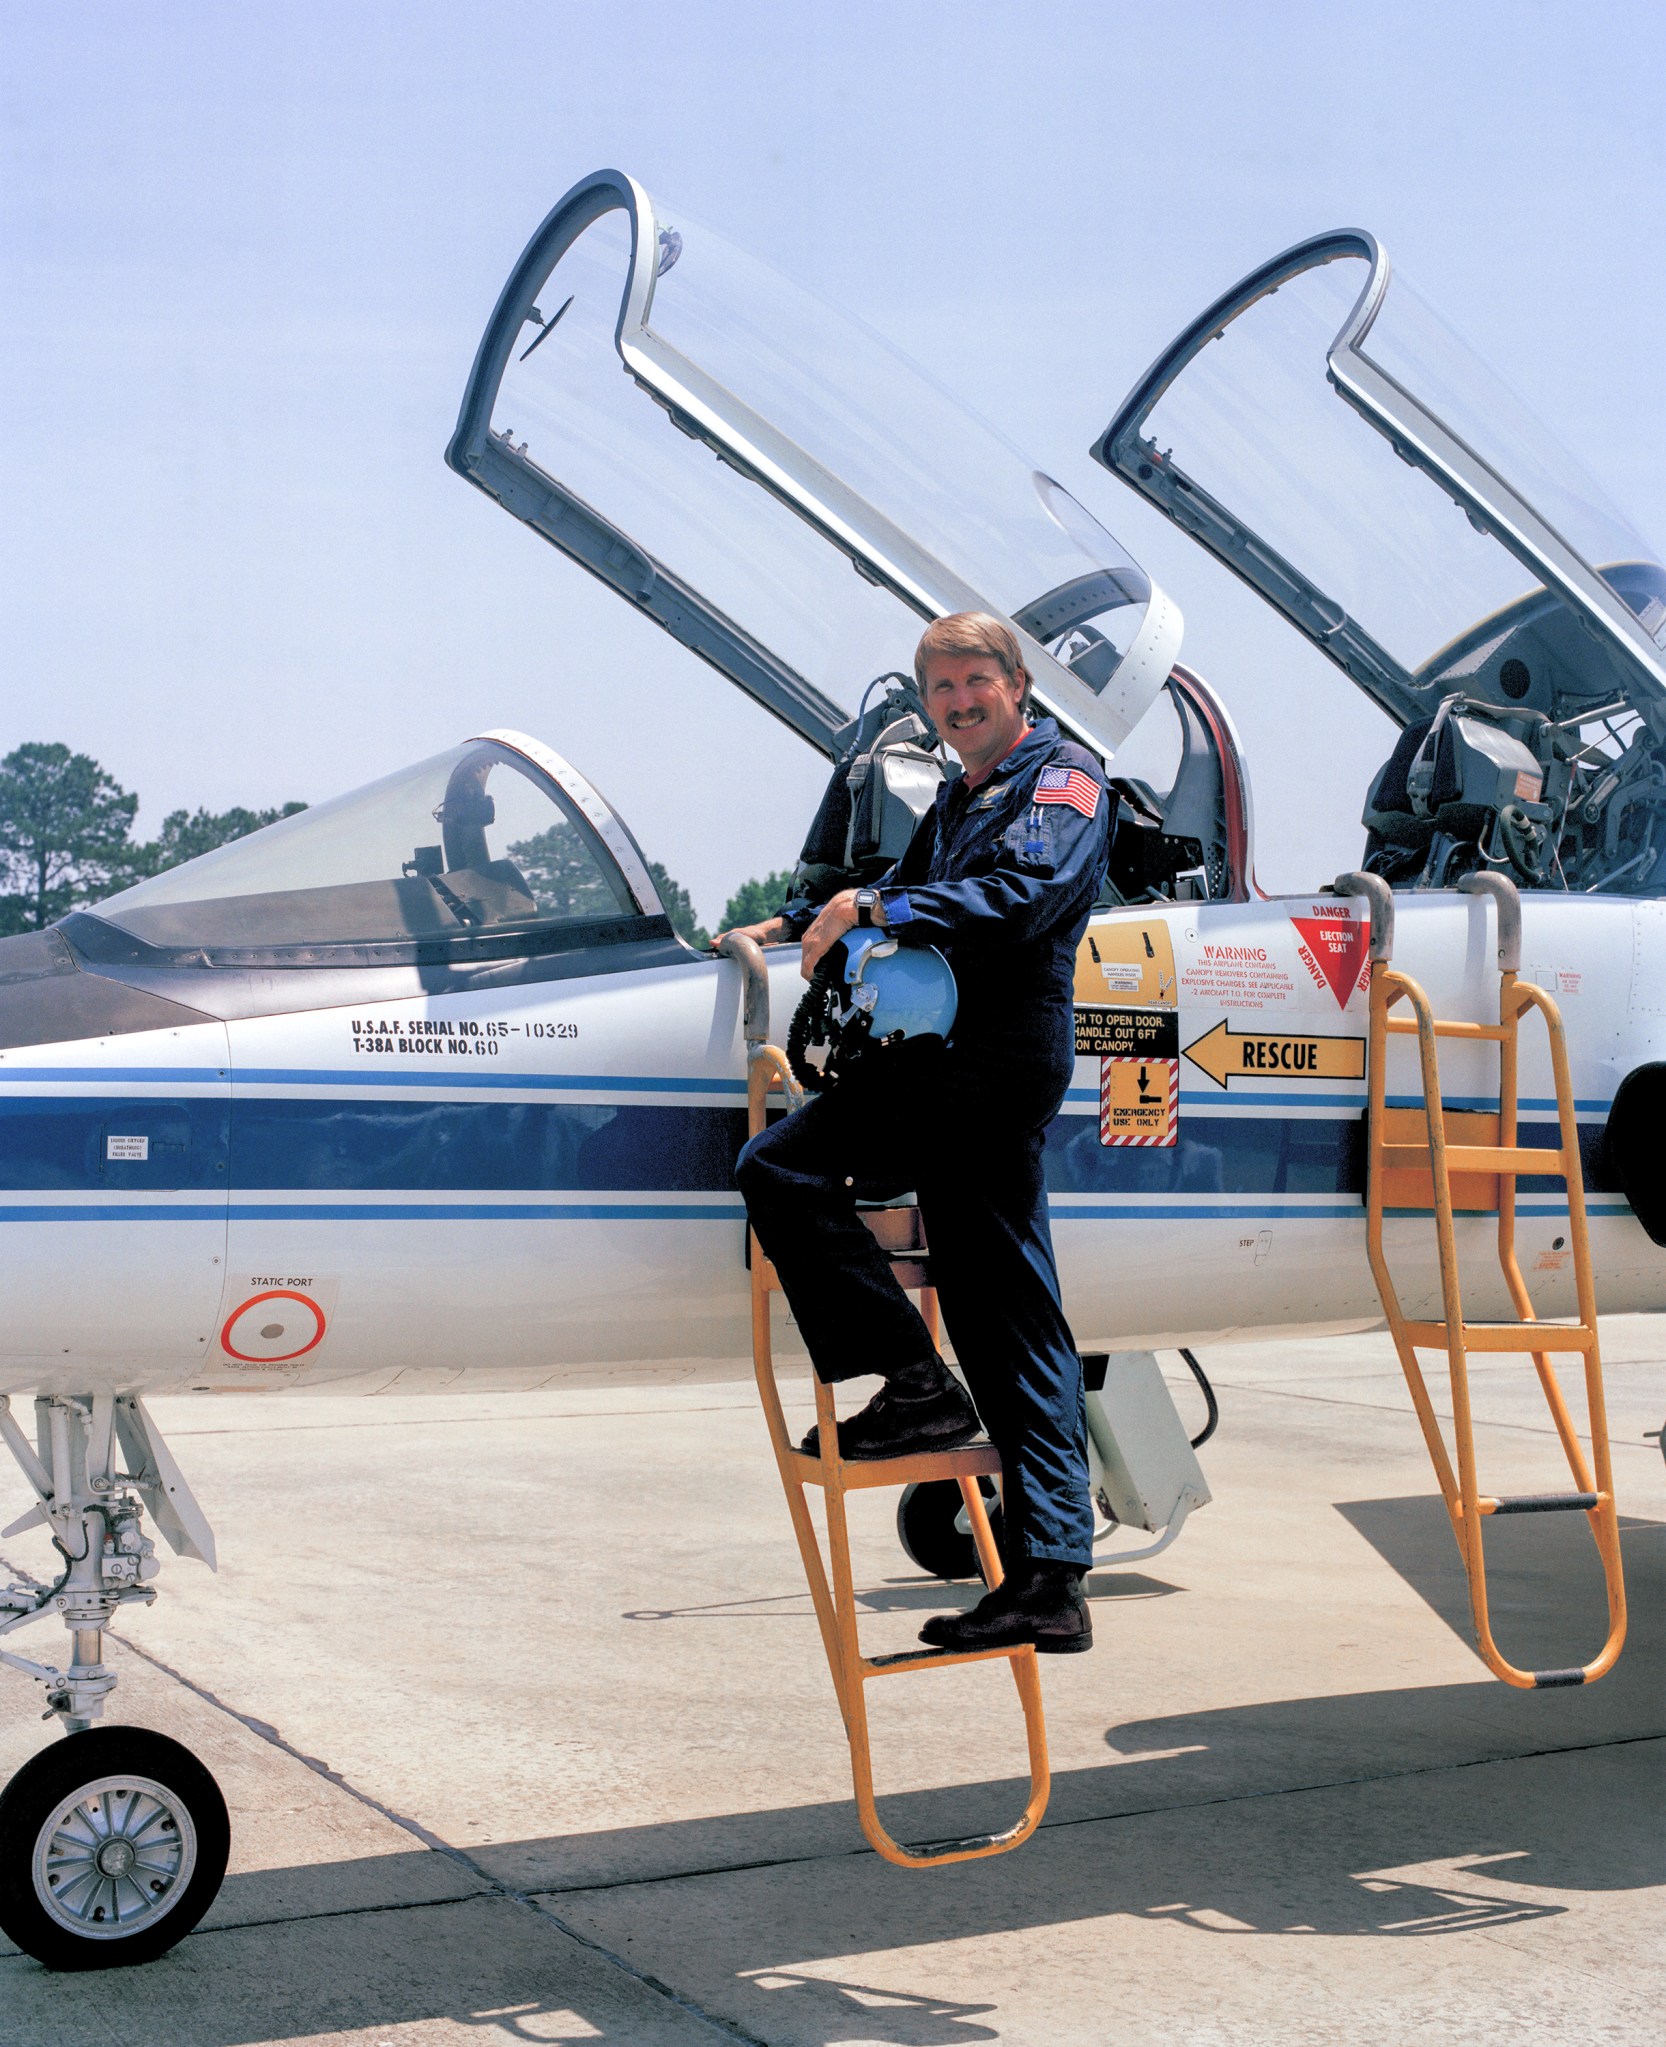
(1542, 1503)
(1477, 1158)
(1523, 1337)
(1406, 1027)
(857, 1474)
(934, 1659)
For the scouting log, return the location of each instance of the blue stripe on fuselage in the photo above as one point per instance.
(495, 1147)
(62, 1142)
(1212, 1155)
(263, 1143)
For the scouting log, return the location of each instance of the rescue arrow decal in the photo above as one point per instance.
(1226, 1054)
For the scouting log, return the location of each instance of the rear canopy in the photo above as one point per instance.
(1324, 433)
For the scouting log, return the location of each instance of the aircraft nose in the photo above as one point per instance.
(50, 994)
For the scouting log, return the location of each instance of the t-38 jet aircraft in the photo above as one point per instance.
(418, 1089)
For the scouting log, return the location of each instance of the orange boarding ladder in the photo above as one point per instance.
(832, 1587)
(1411, 1153)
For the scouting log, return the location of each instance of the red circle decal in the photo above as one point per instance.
(277, 1293)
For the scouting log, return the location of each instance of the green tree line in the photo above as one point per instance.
(751, 903)
(66, 838)
(66, 834)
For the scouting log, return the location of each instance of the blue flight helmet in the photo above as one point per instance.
(869, 992)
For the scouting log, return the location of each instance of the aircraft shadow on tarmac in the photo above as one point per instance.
(1417, 1813)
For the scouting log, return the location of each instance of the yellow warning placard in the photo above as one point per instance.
(1127, 961)
(1106, 1033)
(1139, 1101)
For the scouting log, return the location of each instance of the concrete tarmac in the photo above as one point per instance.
(522, 1716)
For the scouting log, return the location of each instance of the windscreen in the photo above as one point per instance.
(866, 452)
(474, 840)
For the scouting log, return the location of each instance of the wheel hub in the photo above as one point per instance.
(114, 1857)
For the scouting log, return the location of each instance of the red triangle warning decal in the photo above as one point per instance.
(1334, 950)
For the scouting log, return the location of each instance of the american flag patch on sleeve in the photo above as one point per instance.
(1068, 785)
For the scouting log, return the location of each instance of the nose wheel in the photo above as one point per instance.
(933, 1529)
(113, 1845)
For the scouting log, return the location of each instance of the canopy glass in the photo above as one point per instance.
(1324, 432)
(475, 840)
(726, 449)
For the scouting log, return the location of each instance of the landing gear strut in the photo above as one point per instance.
(113, 1843)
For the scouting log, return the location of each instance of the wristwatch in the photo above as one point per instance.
(867, 901)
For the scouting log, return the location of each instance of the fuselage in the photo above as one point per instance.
(308, 1183)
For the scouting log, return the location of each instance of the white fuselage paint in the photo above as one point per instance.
(492, 1189)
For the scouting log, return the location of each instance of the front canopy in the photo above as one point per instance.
(774, 485)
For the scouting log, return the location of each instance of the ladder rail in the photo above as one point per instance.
(1467, 1507)
(1382, 995)
(1603, 1519)
(1520, 994)
(831, 1578)
(798, 1507)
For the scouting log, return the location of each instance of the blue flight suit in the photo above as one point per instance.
(1003, 885)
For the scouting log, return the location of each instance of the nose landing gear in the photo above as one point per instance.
(113, 1843)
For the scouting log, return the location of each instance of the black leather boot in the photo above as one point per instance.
(1038, 1601)
(919, 1408)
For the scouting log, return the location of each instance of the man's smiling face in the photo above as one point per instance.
(975, 707)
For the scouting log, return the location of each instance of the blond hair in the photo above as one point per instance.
(973, 632)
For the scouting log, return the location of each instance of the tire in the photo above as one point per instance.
(926, 1528)
(113, 1845)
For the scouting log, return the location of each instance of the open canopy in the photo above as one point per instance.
(1324, 433)
(724, 450)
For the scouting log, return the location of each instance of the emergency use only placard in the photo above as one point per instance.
(1137, 1040)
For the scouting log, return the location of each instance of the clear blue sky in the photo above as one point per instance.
(248, 251)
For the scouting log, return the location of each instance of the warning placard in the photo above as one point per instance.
(1105, 1033)
(1130, 961)
(1334, 945)
(1139, 1101)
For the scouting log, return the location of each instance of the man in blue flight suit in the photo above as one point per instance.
(1001, 875)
